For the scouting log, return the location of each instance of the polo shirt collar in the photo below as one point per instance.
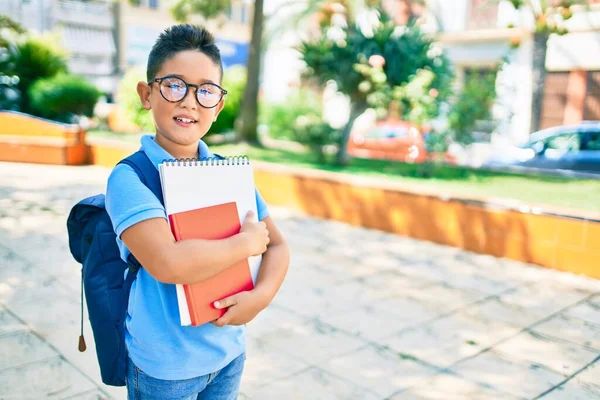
(157, 154)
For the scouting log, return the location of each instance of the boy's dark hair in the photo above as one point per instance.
(182, 38)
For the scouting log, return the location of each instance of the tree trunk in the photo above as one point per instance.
(247, 121)
(540, 47)
(341, 157)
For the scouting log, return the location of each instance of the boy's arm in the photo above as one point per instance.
(189, 261)
(244, 306)
(139, 219)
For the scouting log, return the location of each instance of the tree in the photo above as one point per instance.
(549, 18)
(247, 121)
(373, 63)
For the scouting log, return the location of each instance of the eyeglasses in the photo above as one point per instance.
(174, 89)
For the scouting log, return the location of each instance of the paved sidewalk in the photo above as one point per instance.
(362, 314)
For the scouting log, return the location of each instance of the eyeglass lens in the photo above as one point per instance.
(174, 89)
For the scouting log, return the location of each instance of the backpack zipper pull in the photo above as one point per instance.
(82, 345)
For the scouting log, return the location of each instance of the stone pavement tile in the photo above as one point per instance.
(313, 384)
(265, 364)
(497, 372)
(314, 341)
(446, 386)
(495, 309)
(572, 329)
(544, 298)
(560, 356)
(273, 318)
(309, 300)
(22, 348)
(19, 274)
(42, 302)
(382, 318)
(591, 374)
(309, 275)
(588, 311)
(345, 265)
(573, 390)
(477, 281)
(91, 395)
(379, 369)
(53, 255)
(424, 270)
(393, 283)
(53, 378)
(9, 323)
(444, 297)
(447, 340)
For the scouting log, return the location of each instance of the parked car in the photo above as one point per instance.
(393, 140)
(573, 147)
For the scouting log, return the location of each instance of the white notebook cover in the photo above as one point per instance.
(188, 185)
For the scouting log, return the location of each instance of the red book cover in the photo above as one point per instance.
(211, 223)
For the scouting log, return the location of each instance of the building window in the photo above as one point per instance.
(483, 14)
(244, 13)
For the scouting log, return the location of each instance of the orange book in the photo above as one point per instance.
(211, 223)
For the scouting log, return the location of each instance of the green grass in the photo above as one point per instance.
(133, 138)
(582, 194)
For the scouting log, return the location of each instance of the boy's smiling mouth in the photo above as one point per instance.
(184, 120)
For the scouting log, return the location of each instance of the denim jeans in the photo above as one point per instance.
(221, 385)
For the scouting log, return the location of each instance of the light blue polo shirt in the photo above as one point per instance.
(156, 341)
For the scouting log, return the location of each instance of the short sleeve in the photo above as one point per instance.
(261, 207)
(129, 201)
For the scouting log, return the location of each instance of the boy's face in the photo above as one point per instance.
(172, 119)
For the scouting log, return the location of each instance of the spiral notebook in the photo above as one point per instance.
(209, 199)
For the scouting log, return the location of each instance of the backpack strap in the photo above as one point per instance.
(148, 174)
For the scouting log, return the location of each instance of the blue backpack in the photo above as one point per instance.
(92, 242)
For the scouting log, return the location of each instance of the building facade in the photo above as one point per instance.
(476, 36)
(104, 38)
(141, 22)
(87, 31)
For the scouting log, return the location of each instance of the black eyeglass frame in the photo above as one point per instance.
(187, 89)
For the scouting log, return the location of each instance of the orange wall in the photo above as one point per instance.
(18, 124)
(24, 138)
(563, 243)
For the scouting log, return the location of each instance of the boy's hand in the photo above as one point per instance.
(257, 234)
(242, 308)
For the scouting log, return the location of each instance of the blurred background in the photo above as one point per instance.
(427, 90)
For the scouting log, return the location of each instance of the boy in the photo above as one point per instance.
(166, 360)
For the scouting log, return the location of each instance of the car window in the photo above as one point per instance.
(564, 142)
(386, 131)
(593, 141)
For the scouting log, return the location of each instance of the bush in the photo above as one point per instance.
(315, 133)
(63, 97)
(129, 101)
(30, 60)
(234, 81)
(473, 104)
(280, 118)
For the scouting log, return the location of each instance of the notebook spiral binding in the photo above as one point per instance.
(195, 162)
